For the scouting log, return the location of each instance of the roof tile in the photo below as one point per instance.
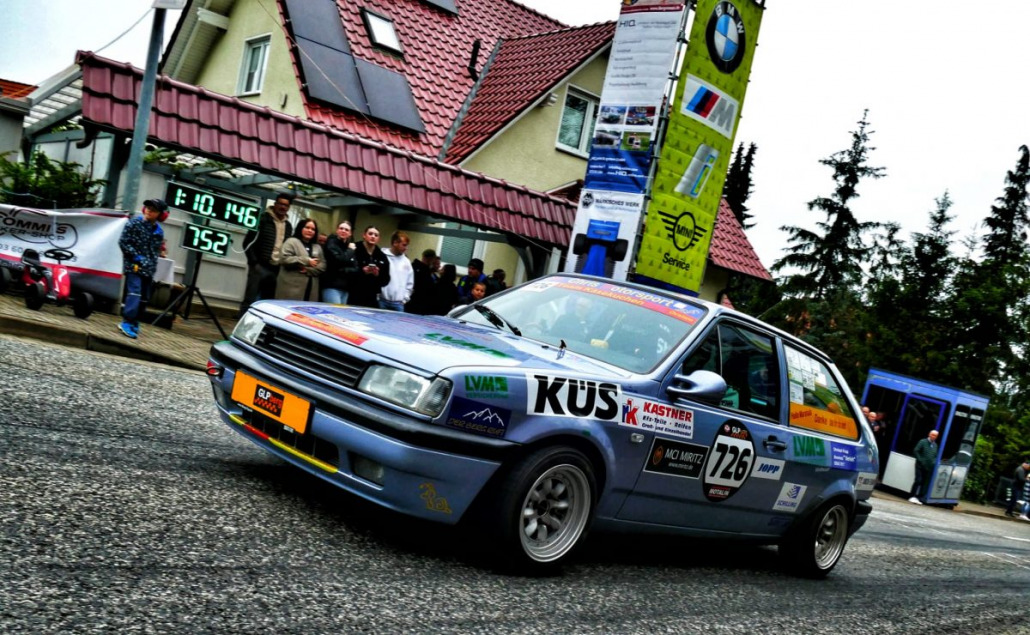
(730, 247)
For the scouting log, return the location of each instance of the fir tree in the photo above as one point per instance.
(738, 186)
(832, 256)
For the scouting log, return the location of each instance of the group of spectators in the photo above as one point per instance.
(299, 264)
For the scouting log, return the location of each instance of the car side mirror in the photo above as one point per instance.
(702, 385)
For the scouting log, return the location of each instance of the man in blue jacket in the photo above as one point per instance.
(141, 242)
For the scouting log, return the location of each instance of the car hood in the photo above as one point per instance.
(432, 343)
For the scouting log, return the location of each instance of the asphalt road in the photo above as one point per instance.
(127, 506)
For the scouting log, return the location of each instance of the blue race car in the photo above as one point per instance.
(566, 403)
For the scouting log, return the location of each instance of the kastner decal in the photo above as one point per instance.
(567, 397)
(659, 417)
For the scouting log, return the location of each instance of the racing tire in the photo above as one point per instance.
(35, 296)
(580, 245)
(813, 548)
(82, 305)
(619, 250)
(5, 280)
(543, 509)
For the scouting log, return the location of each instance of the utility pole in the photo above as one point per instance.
(134, 166)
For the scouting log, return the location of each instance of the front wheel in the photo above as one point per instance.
(35, 296)
(82, 306)
(544, 506)
(814, 547)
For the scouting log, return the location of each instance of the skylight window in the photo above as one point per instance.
(381, 32)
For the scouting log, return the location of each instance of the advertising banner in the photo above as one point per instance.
(90, 235)
(641, 58)
(698, 142)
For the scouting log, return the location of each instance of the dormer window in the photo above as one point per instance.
(381, 32)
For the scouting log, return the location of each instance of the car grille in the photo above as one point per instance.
(307, 443)
(327, 363)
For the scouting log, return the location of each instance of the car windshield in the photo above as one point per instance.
(630, 328)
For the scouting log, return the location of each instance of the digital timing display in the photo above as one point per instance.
(206, 239)
(211, 205)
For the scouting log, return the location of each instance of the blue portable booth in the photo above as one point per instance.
(913, 407)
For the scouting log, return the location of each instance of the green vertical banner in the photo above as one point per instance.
(695, 156)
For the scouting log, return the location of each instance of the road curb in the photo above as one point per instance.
(56, 334)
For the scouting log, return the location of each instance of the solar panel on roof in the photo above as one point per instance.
(318, 21)
(389, 95)
(446, 5)
(331, 76)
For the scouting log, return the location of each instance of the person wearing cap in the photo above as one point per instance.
(474, 275)
(141, 242)
(263, 246)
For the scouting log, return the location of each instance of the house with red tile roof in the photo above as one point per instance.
(452, 120)
(13, 108)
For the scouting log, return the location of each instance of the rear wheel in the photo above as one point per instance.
(813, 548)
(83, 305)
(5, 279)
(35, 295)
(544, 506)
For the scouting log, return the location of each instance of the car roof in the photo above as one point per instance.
(714, 311)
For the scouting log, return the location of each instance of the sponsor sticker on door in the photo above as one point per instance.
(791, 495)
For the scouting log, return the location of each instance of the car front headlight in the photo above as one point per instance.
(248, 328)
(406, 389)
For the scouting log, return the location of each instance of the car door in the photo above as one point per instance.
(728, 473)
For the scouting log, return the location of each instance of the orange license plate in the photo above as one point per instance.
(271, 401)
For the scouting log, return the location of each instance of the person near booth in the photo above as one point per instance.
(141, 243)
(926, 456)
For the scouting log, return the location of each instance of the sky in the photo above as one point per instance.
(944, 81)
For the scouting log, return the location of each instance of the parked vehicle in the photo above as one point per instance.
(53, 283)
(566, 403)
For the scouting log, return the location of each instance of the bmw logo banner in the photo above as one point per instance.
(695, 154)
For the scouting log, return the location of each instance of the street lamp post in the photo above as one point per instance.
(134, 167)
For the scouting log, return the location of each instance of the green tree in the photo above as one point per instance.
(990, 296)
(737, 188)
(832, 256)
(43, 183)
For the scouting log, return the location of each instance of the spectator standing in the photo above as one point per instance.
(373, 270)
(394, 295)
(424, 290)
(141, 242)
(340, 265)
(495, 283)
(1026, 496)
(926, 456)
(301, 262)
(475, 274)
(446, 291)
(1019, 477)
(263, 247)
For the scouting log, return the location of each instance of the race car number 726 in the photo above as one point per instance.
(736, 454)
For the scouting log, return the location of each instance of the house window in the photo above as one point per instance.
(381, 31)
(577, 122)
(456, 250)
(252, 72)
